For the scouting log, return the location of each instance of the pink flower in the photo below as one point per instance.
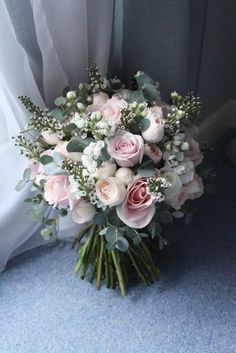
(155, 132)
(138, 208)
(111, 191)
(100, 98)
(152, 151)
(194, 153)
(112, 108)
(61, 148)
(127, 149)
(55, 190)
(195, 188)
(83, 212)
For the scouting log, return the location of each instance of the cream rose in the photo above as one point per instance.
(155, 132)
(174, 180)
(111, 191)
(126, 175)
(106, 169)
(50, 137)
(83, 212)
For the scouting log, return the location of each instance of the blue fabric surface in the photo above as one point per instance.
(45, 307)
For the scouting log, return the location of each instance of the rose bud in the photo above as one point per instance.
(125, 175)
(83, 212)
(106, 169)
(155, 132)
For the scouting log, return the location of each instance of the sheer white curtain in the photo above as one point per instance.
(44, 46)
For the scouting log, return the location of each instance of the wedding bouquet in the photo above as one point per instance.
(121, 162)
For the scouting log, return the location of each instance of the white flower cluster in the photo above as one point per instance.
(91, 154)
(156, 187)
(100, 128)
(174, 150)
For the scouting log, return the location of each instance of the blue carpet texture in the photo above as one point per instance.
(46, 308)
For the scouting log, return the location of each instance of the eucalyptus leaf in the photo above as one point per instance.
(144, 124)
(27, 174)
(35, 215)
(53, 169)
(147, 169)
(58, 157)
(104, 154)
(99, 218)
(45, 159)
(20, 185)
(122, 244)
(59, 101)
(142, 78)
(57, 114)
(74, 146)
(136, 96)
(150, 91)
(69, 128)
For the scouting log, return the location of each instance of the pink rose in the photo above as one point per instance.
(112, 108)
(138, 208)
(152, 151)
(194, 153)
(100, 98)
(194, 188)
(111, 191)
(155, 132)
(127, 149)
(55, 190)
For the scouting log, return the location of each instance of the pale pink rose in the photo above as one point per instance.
(112, 108)
(55, 190)
(127, 149)
(111, 191)
(61, 148)
(138, 208)
(100, 98)
(155, 132)
(83, 212)
(152, 151)
(178, 200)
(195, 188)
(194, 153)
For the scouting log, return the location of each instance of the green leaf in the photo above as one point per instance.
(99, 218)
(51, 221)
(27, 174)
(20, 185)
(57, 114)
(136, 96)
(150, 91)
(147, 169)
(29, 199)
(122, 244)
(39, 206)
(58, 157)
(104, 154)
(144, 124)
(142, 78)
(45, 160)
(59, 101)
(74, 146)
(69, 128)
(103, 231)
(35, 215)
(53, 169)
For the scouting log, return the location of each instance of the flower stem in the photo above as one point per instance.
(155, 269)
(107, 269)
(100, 262)
(119, 272)
(136, 266)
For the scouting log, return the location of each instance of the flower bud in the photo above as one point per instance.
(125, 175)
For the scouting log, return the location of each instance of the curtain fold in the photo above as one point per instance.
(46, 46)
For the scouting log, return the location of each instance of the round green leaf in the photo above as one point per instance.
(45, 160)
(59, 101)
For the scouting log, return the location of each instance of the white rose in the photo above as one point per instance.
(125, 175)
(111, 191)
(174, 180)
(106, 169)
(83, 212)
(50, 137)
(155, 132)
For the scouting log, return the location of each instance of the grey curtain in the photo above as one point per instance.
(184, 44)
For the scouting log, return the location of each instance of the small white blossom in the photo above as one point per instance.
(71, 94)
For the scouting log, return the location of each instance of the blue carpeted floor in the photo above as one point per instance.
(46, 308)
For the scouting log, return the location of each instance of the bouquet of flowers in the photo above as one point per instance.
(118, 160)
